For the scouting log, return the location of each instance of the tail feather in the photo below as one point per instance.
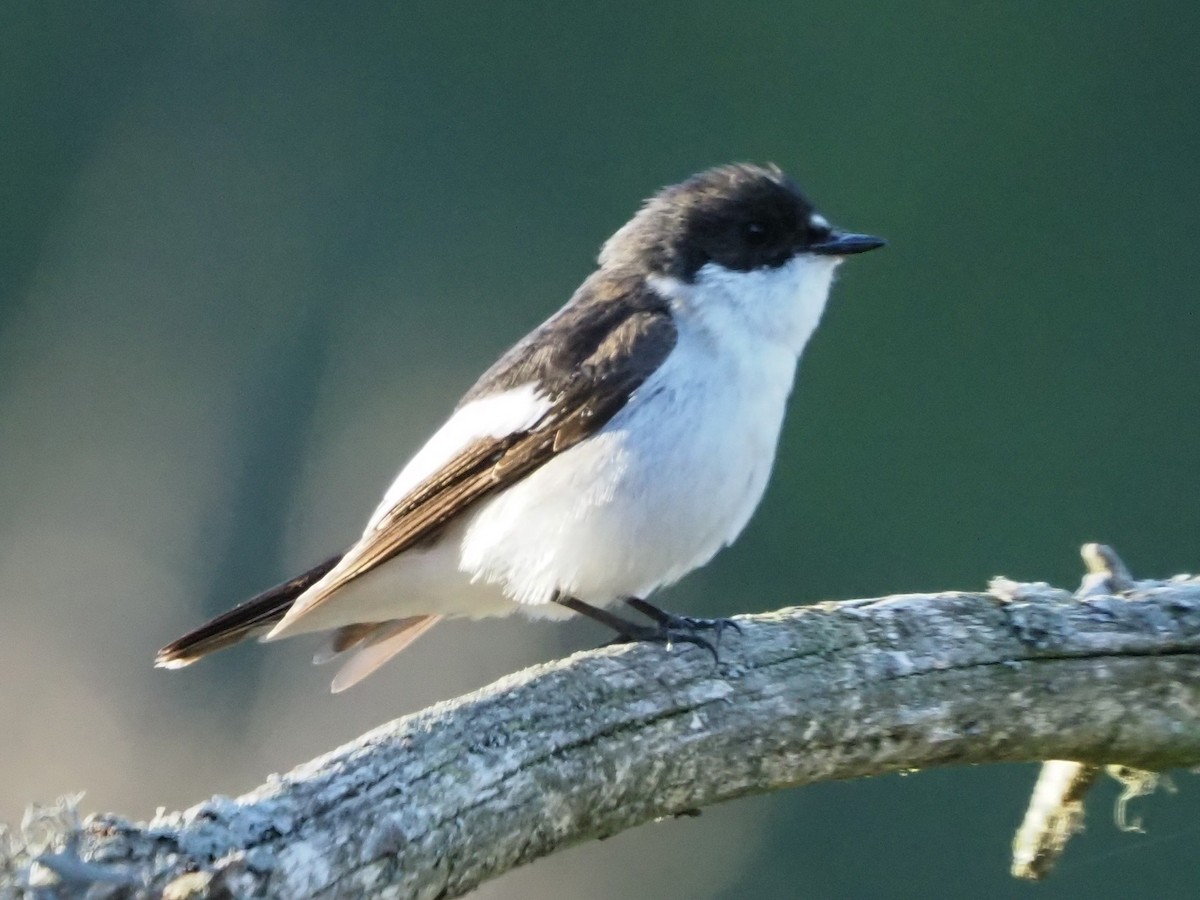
(344, 640)
(256, 616)
(386, 640)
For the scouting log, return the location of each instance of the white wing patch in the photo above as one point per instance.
(496, 416)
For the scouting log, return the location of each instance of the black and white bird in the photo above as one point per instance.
(613, 450)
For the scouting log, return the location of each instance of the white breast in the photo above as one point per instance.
(676, 475)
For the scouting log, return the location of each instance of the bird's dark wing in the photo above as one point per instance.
(587, 360)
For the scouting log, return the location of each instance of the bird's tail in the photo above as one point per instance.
(256, 616)
(369, 645)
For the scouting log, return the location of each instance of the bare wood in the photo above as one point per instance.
(435, 803)
(1055, 812)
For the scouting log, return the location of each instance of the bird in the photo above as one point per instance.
(618, 446)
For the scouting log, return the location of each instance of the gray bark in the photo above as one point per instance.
(435, 803)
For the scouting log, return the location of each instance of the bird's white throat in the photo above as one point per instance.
(778, 306)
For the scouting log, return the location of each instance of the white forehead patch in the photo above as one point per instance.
(816, 220)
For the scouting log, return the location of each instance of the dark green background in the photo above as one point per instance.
(251, 252)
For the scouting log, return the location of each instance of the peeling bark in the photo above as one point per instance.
(435, 803)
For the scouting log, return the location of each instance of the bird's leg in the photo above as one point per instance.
(668, 629)
(626, 630)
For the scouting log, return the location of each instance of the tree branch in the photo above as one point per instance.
(435, 803)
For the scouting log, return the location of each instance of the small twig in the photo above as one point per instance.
(1106, 573)
(1055, 810)
(1055, 813)
(1136, 783)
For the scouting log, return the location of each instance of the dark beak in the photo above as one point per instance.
(840, 243)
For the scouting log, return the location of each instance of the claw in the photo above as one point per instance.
(683, 629)
(671, 636)
(668, 628)
(717, 625)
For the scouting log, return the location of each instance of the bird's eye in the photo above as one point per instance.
(756, 232)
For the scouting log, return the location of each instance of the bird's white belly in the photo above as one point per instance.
(673, 478)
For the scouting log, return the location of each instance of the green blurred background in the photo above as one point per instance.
(251, 252)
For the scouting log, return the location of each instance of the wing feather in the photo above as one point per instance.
(626, 352)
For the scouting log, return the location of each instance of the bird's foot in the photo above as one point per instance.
(670, 629)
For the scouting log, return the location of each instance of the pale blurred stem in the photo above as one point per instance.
(1054, 815)
(1055, 812)
(433, 804)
